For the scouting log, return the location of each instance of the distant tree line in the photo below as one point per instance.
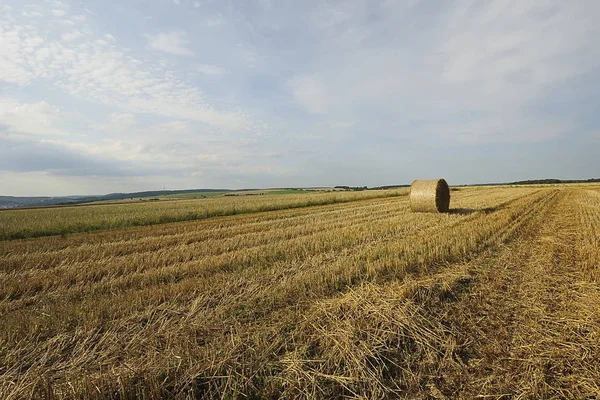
(526, 182)
(554, 181)
(355, 188)
(359, 188)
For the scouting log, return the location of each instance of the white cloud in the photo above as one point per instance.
(101, 72)
(504, 127)
(69, 36)
(32, 11)
(124, 119)
(215, 21)
(13, 57)
(173, 144)
(340, 124)
(172, 43)
(58, 13)
(474, 75)
(196, 4)
(34, 118)
(41, 183)
(327, 17)
(311, 93)
(211, 69)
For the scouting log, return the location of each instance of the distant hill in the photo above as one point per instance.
(549, 181)
(13, 202)
(554, 181)
(154, 193)
(16, 202)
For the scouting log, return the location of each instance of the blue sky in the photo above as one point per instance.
(111, 96)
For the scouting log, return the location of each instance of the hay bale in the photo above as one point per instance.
(430, 196)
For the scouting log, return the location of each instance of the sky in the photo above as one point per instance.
(103, 96)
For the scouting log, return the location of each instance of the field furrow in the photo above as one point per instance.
(518, 321)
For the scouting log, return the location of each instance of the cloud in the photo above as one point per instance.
(118, 125)
(18, 154)
(32, 11)
(124, 119)
(505, 128)
(311, 93)
(174, 145)
(208, 69)
(340, 124)
(127, 158)
(71, 35)
(58, 13)
(34, 118)
(172, 43)
(214, 21)
(475, 72)
(101, 72)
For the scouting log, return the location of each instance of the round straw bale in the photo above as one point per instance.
(430, 196)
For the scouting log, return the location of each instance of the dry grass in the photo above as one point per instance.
(20, 224)
(529, 325)
(362, 299)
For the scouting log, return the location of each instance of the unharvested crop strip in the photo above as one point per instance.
(202, 233)
(17, 224)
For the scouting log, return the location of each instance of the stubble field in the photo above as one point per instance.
(305, 296)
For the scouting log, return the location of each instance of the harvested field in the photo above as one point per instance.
(350, 297)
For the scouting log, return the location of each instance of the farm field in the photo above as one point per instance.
(24, 223)
(326, 295)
